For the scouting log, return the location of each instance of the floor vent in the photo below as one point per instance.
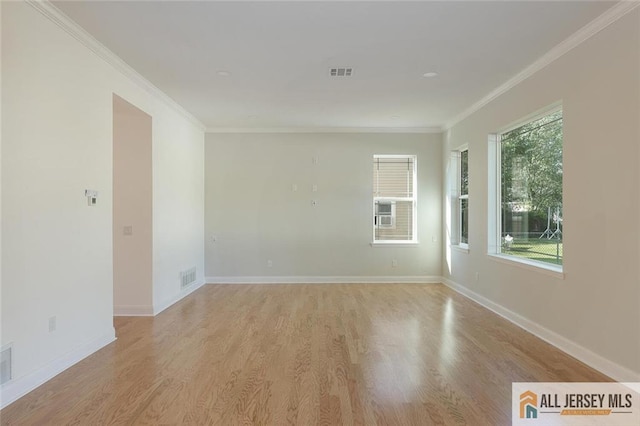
(5, 364)
(187, 277)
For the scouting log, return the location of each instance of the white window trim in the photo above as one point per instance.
(462, 248)
(555, 271)
(494, 240)
(391, 243)
(399, 243)
(550, 109)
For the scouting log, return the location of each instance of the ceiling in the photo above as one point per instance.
(278, 54)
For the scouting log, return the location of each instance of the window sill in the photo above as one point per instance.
(460, 248)
(378, 244)
(548, 269)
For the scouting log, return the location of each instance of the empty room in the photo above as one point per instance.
(320, 212)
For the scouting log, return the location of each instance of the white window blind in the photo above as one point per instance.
(393, 177)
(394, 184)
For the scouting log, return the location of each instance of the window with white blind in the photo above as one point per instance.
(394, 199)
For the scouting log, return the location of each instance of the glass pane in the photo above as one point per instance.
(398, 226)
(531, 203)
(464, 172)
(464, 221)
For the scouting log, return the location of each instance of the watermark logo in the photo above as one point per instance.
(528, 405)
(576, 404)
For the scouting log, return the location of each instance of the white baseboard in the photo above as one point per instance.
(423, 279)
(184, 293)
(133, 311)
(598, 362)
(17, 388)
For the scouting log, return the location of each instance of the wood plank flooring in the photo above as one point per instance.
(332, 354)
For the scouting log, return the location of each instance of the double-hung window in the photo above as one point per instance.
(463, 197)
(458, 216)
(394, 199)
(528, 184)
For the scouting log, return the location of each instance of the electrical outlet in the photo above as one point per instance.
(52, 324)
(477, 276)
(269, 264)
(314, 188)
(394, 263)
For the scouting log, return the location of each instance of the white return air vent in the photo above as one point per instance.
(187, 277)
(341, 72)
(5, 364)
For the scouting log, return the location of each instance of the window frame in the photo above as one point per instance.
(462, 197)
(414, 199)
(494, 247)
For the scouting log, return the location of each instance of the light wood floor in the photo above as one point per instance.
(304, 354)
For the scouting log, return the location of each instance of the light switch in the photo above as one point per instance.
(92, 197)
(127, 230)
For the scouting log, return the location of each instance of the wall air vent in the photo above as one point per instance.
(187, 277)
(341, 72)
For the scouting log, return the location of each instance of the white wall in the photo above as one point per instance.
(597, 304)
(132, 207)
(178, 207)
(1, 327)
(57, 142)
(256, 216)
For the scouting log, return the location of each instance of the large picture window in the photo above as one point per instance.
(529, 172)
(394, 199)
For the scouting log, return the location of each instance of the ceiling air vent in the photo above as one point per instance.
(341, 72)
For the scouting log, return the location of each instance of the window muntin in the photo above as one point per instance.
(394, 199)
(530, 178)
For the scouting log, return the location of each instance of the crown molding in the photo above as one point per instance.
(324, 130)
(583, 34)
(76, 31)
(56, 16)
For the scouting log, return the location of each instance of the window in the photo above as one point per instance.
(394, 199)
(463, 197)
(529, 191)
(458, 178)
